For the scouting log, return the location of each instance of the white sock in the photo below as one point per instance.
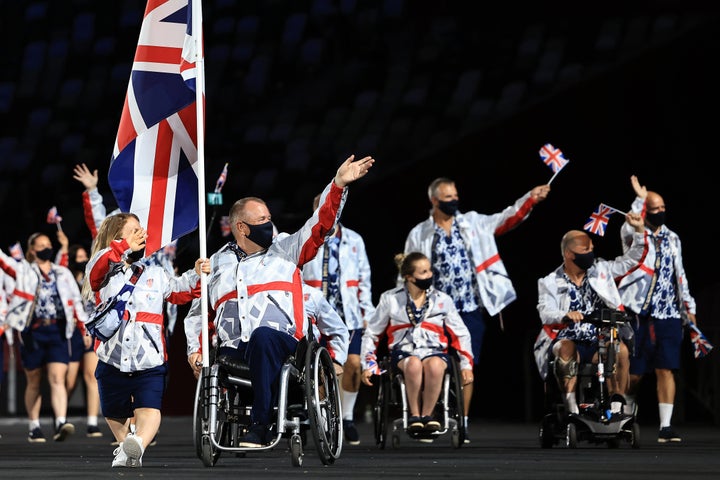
(347, 400)
(465, 419)
(571, 403)
(629, 408)
(33, 424)
(665, 410)
(92, 421)
(59, 421)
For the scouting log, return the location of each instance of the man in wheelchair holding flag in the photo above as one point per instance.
(567, 297)
(421, 323)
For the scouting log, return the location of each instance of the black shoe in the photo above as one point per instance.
(36, 436)
(255, 438)
(351, 434)
(667, 434)
(415, 424)
(93, 431)
(430, 424)
(64, 431)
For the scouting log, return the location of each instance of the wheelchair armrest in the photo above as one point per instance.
(233, 366)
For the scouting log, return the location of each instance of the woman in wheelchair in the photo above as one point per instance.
(420, 323)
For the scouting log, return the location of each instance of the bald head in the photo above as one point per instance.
(573, 239)
(654, 202)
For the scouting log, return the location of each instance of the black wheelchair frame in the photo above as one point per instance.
(308, 399)
(595, 421)
(391, 409)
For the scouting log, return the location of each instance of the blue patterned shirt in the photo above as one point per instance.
(582, 299)
(664, 301)
(48, 300)
(452, 269)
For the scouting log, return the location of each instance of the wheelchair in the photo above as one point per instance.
(391, 411)
(308, 399)
(595, 422)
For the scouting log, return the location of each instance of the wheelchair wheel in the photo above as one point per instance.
(456, 402)
(547, 432)
(571, 436)
(635, 441)
(323, 400)
(381, 411)
(296, 450)
(201, 423)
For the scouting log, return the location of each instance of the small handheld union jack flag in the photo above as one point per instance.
(599, 219)
(701, 345)
(54, 218)
(553, 158)
(16, 251)
(225, 225)
(371, 362)
(221, 179)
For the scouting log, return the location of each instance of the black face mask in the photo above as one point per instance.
(135, 256)
(261, 234)
(46, 254)
(423, 283)
(449, 208)
(78, 266)
(584, 260)
(657, 220)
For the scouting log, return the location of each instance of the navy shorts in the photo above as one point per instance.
(355, 341)
(397, 355)
(44, 345)
(657, 345)
(77, 346)
(121, 393)
(475, 323)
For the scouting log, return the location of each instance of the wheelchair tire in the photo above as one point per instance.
(456, 401)
(322, 393)
(201, 431)
(635, 440)
(381, 412)
(296, 450)
(571, 436)
(547, 432)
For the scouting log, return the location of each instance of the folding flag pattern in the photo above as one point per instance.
(599, 219)
(221, 179)
(152, 171)
(225, 226)
(553, 157)
(52, 217)
(701, 345)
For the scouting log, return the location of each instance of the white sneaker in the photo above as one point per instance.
(120, 459)
(133, 449)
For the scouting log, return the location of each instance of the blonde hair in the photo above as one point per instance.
(110, 230)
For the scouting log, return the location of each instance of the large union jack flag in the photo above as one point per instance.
(152, 171)
(599, 219)
(701, 345)
(553, 157)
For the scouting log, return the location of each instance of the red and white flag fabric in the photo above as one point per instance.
(553, 157)
(701, 345)
(599, 219)
(53, 217)
(152, 171)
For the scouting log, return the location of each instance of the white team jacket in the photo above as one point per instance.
(266, 288)
(554, 301)
(426, 337)
(635, 284)
(355, 286)
(27, 281)
(478, 232)
(139, 344)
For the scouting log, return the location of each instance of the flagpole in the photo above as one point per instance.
(553, 177)
(200, 110)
